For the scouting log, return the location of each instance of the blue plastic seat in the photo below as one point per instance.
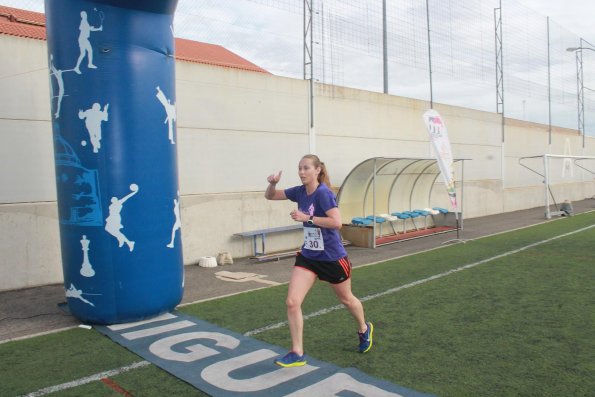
(425, 215)
(411, 214)
(378, 218)
(361, 221)
(379, 221)
(442, 210)
(401, 215)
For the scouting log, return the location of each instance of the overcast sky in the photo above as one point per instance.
(248, 35)
(575, 15)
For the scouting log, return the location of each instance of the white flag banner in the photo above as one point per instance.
(441, 145)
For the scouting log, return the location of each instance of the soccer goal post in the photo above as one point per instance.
(586, 163)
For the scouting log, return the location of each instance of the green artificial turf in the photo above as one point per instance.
(521, 324)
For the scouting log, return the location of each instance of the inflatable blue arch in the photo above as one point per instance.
(112, 79)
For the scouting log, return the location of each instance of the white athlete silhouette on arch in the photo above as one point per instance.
(170, 111)
(113, 223)
(84, 43)
(93, 118)
(75, 293)
(57, 73)
(178, 223)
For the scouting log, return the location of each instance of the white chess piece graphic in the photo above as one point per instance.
(113, 223)
(72, 292)
(93, 118)
(86, 268)
(178, 223)
(170, 110)
(84, 43)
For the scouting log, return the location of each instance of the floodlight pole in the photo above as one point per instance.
(546, 184)
(309, 66)
(549, 84)
(384, 47)
(429, 54)
(580, 87)
(462, 190)
(499, 65)
(374, 205)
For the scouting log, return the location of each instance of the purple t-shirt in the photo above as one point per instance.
(316, 204)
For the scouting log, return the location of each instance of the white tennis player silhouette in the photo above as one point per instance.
(84, 43)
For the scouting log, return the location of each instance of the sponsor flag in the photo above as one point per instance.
(441, 145)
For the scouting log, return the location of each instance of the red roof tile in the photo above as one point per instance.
(195, 51)
(16, 22)
(21, 30)
(24, 16)
(30, 24)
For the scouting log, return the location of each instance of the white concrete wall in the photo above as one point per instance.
(234, 129)
(26, 159)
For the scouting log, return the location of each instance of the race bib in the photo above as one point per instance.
(313, 239)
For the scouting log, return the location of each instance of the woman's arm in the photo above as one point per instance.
(332, 220)
(272, 193)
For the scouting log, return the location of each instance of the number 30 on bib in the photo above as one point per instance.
(313, 239)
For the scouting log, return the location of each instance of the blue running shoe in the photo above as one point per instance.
(291, 359)
(365, 339)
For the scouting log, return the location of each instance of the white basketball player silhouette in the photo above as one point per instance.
(113, 223)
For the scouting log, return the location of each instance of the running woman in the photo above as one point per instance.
(322, 256)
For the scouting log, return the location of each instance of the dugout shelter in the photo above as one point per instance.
(386, 200)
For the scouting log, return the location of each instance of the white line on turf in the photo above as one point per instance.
(418, 282)
(388, 259)
(92, 378)
(88, 379)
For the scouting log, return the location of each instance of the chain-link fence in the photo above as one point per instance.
(443, 50)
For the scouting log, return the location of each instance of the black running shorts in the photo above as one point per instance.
(334, 272)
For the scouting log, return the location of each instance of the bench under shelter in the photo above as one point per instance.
(386, 200)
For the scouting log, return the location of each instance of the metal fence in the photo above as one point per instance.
(445, 51)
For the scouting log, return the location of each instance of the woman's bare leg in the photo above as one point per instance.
(354, 305)
(300, 283)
